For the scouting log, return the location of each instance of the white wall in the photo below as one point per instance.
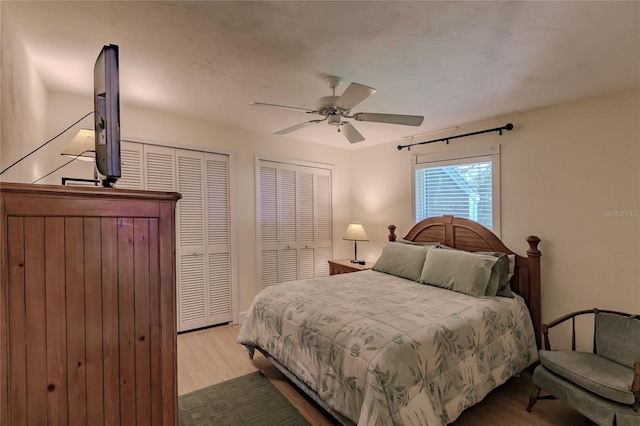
(566, 171)
(143, 125)
(22, 107)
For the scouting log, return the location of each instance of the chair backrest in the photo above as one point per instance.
(617, 337)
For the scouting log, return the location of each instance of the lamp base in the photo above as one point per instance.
(359, 262)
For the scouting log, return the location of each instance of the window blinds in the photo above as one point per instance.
(459, 183)
(460, 190)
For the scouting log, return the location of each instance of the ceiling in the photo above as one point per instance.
(452, 62)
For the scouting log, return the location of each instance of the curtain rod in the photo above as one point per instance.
(507, 126)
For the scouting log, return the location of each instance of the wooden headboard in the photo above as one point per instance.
(465, 234)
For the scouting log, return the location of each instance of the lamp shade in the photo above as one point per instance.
(355, 232)
(82, 146)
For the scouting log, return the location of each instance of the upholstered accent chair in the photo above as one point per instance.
(604, 386)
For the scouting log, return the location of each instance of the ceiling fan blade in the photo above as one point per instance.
(353, 95)
(297, 127)
(263, 104)
(409, 120)
(350, 132)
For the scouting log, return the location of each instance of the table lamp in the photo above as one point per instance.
(355, 232)
(82, 147)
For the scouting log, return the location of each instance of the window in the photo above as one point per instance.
(463, 183)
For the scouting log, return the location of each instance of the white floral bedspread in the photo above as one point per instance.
(383, 350)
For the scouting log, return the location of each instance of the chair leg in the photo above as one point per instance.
(533, 399)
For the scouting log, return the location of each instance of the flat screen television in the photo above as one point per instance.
(107, 115)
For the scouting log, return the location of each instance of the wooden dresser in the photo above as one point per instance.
(344, 266)
(87, 306)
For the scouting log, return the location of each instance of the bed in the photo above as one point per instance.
(376, 348)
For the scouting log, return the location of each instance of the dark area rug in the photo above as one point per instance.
(246, 400)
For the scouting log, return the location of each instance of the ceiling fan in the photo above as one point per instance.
(336, 108)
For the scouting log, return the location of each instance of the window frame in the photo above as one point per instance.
(464, 156)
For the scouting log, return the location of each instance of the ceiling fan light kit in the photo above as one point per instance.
(334, 120)
(335, 108)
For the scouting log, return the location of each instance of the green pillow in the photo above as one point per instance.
(402, 260)
(499, 280)
(457, 270)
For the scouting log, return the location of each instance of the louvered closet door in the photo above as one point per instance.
(294, 222)
(159, 171)
(218, 238)
(203, 224)
(268, 224)
(323, 221)
(306, 223)
(132, 166)
(147, 167)
(288, 221)
(192, 291)
(204, 265)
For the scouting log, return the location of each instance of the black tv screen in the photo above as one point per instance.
(107, 114)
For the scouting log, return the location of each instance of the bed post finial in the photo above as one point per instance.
(392, 232)
(533, 246)
(534, 283)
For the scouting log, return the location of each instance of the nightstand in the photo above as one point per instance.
(344, 266)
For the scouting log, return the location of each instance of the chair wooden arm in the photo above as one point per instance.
(571, 316)
(635, 387)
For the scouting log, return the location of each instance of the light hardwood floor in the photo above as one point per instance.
(210, 356)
